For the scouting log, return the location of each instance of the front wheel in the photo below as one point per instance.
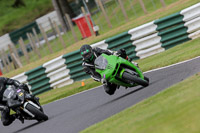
(133, 78)
(39, 115)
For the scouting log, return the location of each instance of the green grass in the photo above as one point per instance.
(174, 110)
(14, 18)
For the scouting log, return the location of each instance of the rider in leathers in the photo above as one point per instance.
(6, 118)
(89, 55)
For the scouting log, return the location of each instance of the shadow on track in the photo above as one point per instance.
(32, 125)
(118, 98)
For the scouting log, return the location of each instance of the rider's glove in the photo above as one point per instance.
(24, 87)
(115, 53)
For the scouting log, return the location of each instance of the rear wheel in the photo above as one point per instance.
(135, 79)
(39, 115)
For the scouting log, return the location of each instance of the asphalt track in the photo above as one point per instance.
(77, 112)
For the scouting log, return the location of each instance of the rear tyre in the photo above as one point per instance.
(39, 115)
(133, 78)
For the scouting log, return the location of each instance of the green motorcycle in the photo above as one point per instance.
(119, 72)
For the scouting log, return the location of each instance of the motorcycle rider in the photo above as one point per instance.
(89, 55)
(6, 118)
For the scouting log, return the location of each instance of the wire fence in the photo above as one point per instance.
(51, 38)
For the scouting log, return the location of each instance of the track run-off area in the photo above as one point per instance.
(79, 111)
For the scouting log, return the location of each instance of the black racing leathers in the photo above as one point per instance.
(6, 118)
(89, 68)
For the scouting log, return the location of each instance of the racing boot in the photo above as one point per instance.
(6, 118)
(3, 108)
(16, 116)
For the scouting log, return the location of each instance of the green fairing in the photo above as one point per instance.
(114, 70)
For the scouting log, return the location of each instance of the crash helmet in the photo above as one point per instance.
(87, 52)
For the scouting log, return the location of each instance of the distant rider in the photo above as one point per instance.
(89, 55)
(6, 118)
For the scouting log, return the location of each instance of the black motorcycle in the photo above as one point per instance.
(21, 102)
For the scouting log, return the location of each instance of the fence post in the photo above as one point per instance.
(123, 10)
(87, 20)
(4, 62)
(104, 13)
(31, 42)
(143, 6)
(7, 60)
(35, 46)
(22, 45)
(36, 36)
(18, 63)
(71, 27)
(15, 51)
(59, 34)
(46, 39)
(15, 61)
(52, 27)
(163, 3)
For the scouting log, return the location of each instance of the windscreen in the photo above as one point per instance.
(101, 63)
(8, 93)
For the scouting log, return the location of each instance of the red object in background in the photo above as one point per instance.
(1, 72)
(83, 26)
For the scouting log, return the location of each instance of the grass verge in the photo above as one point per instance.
(174, 110)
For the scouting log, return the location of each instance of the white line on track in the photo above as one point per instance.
(172, 65)
(144, 72)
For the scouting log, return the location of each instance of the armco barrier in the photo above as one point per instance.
(139, 42)
(122, 41)
(172, 30)
(148, 46)
(38, 80)
(146, 40)
(191, 12)
(73, 61)
(143, 30)
(56, 71)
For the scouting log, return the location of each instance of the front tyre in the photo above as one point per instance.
(135, 79)
(39, 115)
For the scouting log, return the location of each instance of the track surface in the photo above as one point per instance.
(75, 113)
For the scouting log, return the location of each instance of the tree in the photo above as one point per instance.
(18, 3)
(62, 7)
(65, 7)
